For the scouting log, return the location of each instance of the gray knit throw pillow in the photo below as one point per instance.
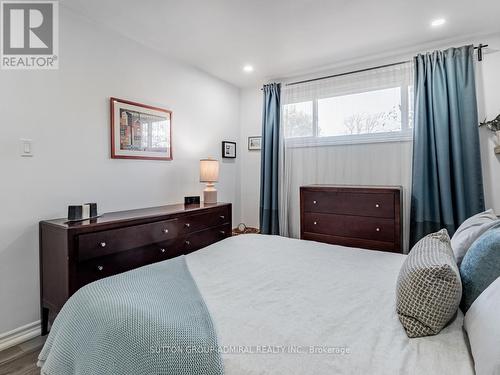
(429, 288)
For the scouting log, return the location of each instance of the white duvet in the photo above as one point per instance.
(269, 293)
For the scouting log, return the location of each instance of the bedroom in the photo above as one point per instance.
(346, 114)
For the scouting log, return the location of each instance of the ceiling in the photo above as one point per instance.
(284, 37)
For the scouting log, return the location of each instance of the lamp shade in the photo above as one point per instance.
(209, 170)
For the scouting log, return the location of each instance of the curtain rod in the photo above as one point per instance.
(347, 73)
(479, 57)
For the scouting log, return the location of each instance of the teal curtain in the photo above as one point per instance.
(447, 184)
(269, 160)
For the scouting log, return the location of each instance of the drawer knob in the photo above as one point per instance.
(222, 217)
(187, 225)
(165, 230)
(315, 223)
(377, 205)
(378, 229)
(314, 202)
(102, 244)
(100, 268)
(188, 243)
(222, 232)
(162, 250)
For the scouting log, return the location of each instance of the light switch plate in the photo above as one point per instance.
(26, 147)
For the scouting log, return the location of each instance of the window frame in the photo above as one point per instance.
(404, 135)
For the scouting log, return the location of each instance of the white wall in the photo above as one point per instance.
(251, 125)
(66, 114)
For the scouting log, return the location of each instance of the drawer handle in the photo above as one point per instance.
(378, 229)
(377, 205)
(165, 230)
(315, 223)
(100, 268)
(162, 250)
(102, 244)
(223, 232)
(314, 202)
(188, 243)
(222, 217)
(187, 225)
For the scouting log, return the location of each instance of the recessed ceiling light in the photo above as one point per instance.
(248, 68)
(438, 22)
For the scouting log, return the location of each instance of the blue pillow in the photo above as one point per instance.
(480, 266)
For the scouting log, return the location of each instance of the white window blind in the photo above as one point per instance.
(371, 106)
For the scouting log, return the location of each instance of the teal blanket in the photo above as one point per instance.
(151, 320)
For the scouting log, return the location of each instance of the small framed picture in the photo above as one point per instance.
(254, 143)
(140, 131)
(228, 149)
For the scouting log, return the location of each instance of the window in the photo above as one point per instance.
(364, 113)
(345, 112)
(298, 120)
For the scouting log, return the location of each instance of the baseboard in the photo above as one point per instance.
(20, 335)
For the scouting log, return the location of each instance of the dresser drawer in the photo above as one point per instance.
(206, 237)
(108, 242)
(350, 203)
(212, 218)
(352, 242)
(376, 229)
(98, 268)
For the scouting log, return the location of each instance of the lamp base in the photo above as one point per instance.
(210, 194)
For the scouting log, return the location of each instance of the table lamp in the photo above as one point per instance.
(209, 173)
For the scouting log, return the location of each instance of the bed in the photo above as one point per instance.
(286, 306)
(270, 290)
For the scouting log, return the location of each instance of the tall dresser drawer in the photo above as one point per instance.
(350, 203)
(350, 226)
(108, 242)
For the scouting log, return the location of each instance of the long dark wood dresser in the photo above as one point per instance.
(75, 254)
(357, 216)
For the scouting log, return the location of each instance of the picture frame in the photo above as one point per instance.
(140, 131)
(228, 150)
(254, 143)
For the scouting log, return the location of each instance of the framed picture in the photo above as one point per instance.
(140, 131)
(254, 143)
(228, 149)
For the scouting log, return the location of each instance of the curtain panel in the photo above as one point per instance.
(447, 180)
(269, 179)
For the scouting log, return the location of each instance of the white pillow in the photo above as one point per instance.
(482, 323)
(470, 230)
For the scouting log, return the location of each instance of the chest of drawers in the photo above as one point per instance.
(355, 216)
(73, 255)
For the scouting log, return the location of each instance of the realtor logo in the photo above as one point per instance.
(29, 35)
